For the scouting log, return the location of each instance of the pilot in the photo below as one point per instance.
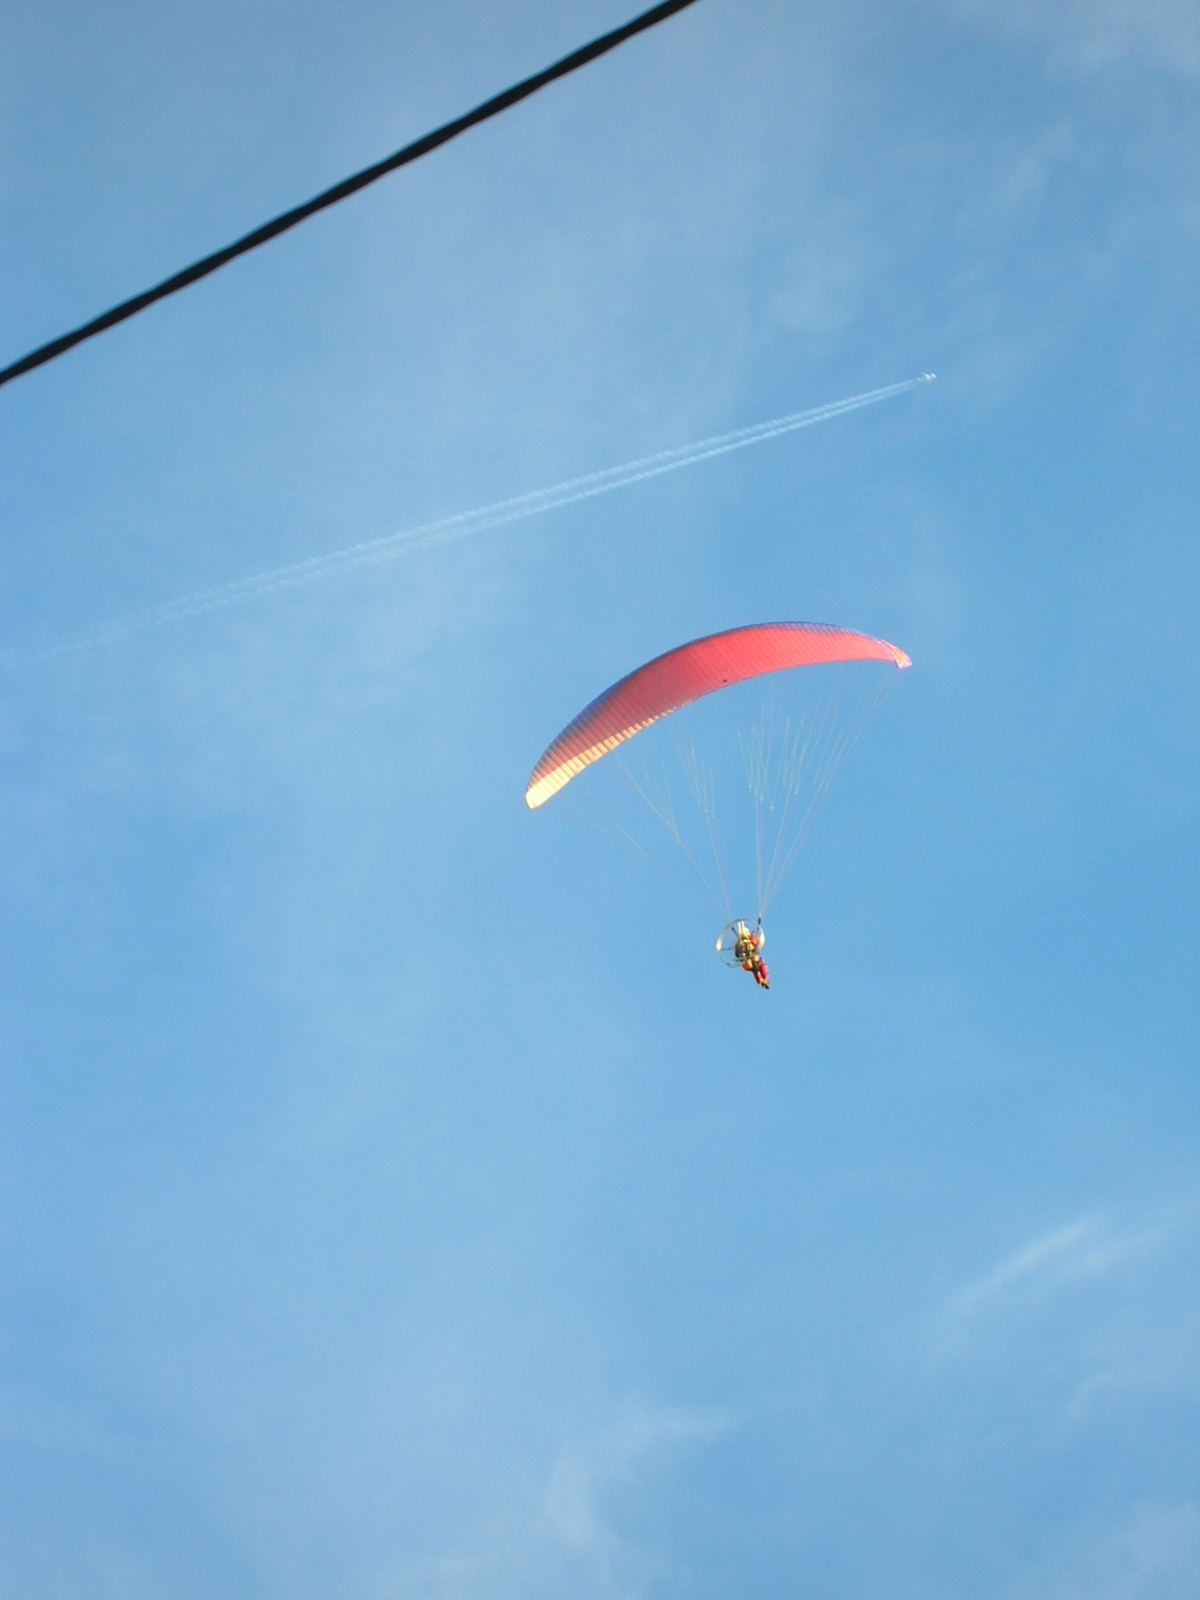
(748, 951)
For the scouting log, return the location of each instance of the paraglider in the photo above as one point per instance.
(787, 773)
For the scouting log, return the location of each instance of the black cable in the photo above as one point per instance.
(348, 186)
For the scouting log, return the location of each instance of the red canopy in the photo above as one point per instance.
(686, 674)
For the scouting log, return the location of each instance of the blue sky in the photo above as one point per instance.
(548, 1258)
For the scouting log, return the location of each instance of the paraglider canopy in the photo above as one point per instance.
(686, 674)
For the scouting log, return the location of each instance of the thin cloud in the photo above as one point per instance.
(568, 1536)
(1079, 1249)
(1086, 1249)
(583, 1478)
(1153, 1553)
(1088, 36)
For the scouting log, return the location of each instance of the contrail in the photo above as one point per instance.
(391, 546)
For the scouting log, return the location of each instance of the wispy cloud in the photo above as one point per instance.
(1081, 1250)
(1108, 1299)
(570, 1535)
(1153, 1553)
(1090, 35)
(583, 1478)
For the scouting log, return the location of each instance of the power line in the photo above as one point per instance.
(348, 186)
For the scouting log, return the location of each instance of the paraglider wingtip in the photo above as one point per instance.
(903, 659)
(541, 787)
